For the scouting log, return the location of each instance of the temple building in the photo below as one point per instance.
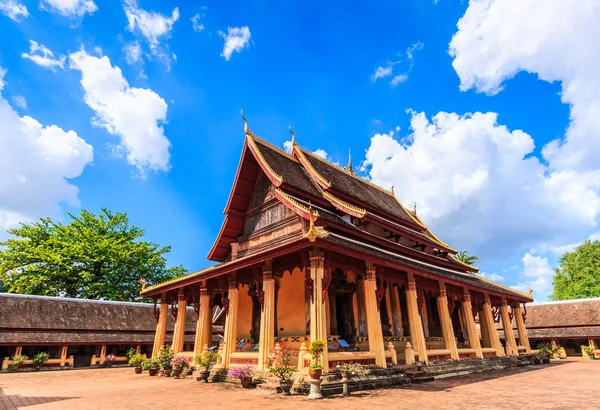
(309, 250)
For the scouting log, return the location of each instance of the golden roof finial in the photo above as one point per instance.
(393, 190)
(293, 136)
(143, 283)
(246, 129)
(530, 291)
(350, 161)
(415, 208)
(314, 232)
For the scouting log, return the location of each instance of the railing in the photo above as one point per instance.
(50, 362)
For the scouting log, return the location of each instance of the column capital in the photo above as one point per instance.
(466, 295)
(371, 271)
(316, 256)
(486, 299)
(203, 291)
(443, 289)
(267, 270)
(180, 294)
(504, 302)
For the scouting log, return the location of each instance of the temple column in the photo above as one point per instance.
(204, 321)
(483, 329)
(423, 311)
(446, 323)
(414, 320)
(318, 315)
(179, 330)
(470, 322)
(161, 326)
(229, 333)
(509, 335)
(397, 315)
(267, 317)
(491, 328)
(373, 316)
(522, 329)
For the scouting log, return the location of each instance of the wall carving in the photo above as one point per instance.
(267, 237)
(266, 217)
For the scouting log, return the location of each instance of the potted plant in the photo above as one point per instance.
(348, 370)
(17, 361)
(546, 352)
(39, 359)
(164, 357)
(315, 369)
(207, 360)
(282, 363)
(130, 353)
(243, 373)
(589, 350)
(180, 363)
(151, 366)
(136, 361)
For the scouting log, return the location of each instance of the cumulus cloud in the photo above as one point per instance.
(478, 186)
(197, 26)
(36, 162)
(236, 39)
(69, 8)
(287, 146)
(537, 275)
(43, 56)
(13, 9)
(20, 101)
(134, 115)
(152, 25)
(492, 276)
(405, 64)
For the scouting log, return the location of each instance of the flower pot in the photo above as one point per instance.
(138, 370)
(546, 360)
(536, 360)
(315, 373)
(246, 383)
(152, 371)
(176, 373)
(168, 372)
(203, 378)
(286, 387)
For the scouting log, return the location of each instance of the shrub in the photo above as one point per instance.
(355, 369)
(207, 359)
(242, 373)
(136, 360)
(282, 363)
(130, 353)
(316, 351)
(180, 362)
(589, 350)
(40, 358)
(150, 364)
(17, 360)
(110, 358)
(165, 355)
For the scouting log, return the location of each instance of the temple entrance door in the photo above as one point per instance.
(344, 315)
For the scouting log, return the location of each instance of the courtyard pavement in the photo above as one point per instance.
(560, 385)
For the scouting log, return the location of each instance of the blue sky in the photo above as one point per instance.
(152, 101)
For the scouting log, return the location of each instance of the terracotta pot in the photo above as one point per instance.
(177, 373)
(246, 383)
(203, 378)
(152, 371)
(315, 373)
(286, 387)
(138, 370)
(168, 372)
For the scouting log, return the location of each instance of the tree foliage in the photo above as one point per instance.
(464, 257)
(578, 275)
(92, 256)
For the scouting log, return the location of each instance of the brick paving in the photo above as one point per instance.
(560, 385)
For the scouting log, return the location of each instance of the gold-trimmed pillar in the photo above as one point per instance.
(422, 301)
(470, 322)
(414, 320)
(522, 329)
(483, 328)
(318, 316)
(509, 335)
(373, 316)
(267, 316)
(204, 324)
(396, 307)
(161, 326)
(491, 328)
(179, 330)
(229, 333)
(446, 323)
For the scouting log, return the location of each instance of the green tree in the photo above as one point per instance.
(92, 256)
(578, 274)
(464, 257)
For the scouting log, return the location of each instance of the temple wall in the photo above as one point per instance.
(290, 304)
(244, 320)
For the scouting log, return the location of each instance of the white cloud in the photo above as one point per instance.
(236, 39)
(69, 8)
(36, 162)
(196, 22)
(20, 101)
(152, 25)
(42, 56)
(479, 188)
(287, 146)
(406, 63)
(537, 276)
(134, 115)
(321, 153)
(133, 52)
(492, 276)
(13, 9)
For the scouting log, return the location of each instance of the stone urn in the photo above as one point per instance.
(315, 373)
(203, 376)
(286, 387)
(176, 373)
(168, 372)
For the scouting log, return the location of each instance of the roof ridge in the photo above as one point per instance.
(263, 141)
(262, 160)
(527, 295)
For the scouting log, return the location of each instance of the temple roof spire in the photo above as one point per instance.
(415, 208)
(293, 136)
(350, 161)
(246, 129)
